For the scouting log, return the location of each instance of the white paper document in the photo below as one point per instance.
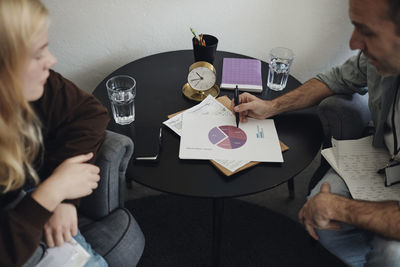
(217, 137)
(231, 165)
(357, 162)
(70, 254)
(208, 106)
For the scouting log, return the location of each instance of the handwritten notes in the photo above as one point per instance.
(357, 162)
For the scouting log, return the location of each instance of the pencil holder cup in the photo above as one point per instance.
(207, 52)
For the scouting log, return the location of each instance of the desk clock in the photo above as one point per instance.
(201, 79)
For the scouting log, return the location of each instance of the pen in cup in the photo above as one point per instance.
(199, 38)
(195, 34)
(236, 99)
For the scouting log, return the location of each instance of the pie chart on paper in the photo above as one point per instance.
(227, 137)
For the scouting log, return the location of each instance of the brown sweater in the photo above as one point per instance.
(73, 123)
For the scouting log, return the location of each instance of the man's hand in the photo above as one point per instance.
(62, 225)
(309, 94)
(252, 106)
(318, 212)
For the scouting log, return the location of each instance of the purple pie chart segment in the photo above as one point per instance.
(216, 135)
(227, 137)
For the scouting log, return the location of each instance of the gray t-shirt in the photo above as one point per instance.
(356, 75)
(388, 134)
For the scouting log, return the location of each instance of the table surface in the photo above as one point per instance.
(160, 78)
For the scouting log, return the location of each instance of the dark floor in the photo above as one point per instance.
(276, 199)
(178, 230)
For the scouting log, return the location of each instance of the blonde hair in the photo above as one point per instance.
(20, 134)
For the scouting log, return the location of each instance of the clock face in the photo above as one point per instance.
(201, 78)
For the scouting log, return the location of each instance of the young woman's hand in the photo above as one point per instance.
(62, 225)
(74, 178)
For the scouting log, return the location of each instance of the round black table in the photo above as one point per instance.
(159, 80)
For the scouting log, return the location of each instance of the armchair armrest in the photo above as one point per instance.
(344, 116)
(113, 159)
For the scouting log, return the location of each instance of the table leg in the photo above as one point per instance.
(128, 183)
(218, 210)
(290, 185)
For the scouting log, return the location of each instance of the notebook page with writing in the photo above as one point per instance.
(243, 72)
(357, 162)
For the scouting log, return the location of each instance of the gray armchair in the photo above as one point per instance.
(104, 222)
(342, 117)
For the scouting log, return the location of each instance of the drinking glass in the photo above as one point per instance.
(280, 61)
(122, 92)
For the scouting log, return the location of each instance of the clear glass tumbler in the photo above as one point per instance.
(122, 92)
(280, 61)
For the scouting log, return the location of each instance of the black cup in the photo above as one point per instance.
(205, 53)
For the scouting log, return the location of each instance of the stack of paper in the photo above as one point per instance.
(216, 136)
(357, 162)
(210, 124)
(70, 254)
(207, 106)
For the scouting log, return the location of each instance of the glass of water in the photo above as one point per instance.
(280, 60)
(121, 92)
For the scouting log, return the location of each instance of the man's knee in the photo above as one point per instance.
(338, 186)
(384, 252)
(349, 243)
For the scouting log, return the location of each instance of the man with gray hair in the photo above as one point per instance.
(359, 232)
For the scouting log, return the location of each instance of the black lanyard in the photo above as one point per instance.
(396, 149)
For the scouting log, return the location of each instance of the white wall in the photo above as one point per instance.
(91, 38)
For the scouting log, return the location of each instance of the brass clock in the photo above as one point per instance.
(202, 80)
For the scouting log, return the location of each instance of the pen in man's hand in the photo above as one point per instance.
(236, 99)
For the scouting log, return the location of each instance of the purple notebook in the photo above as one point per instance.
(243, 72)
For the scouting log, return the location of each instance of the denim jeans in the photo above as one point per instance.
(355, 246)
(95, 259)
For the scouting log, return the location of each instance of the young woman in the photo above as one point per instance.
(33, 207)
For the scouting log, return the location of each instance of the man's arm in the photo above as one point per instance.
(380, 217)
(348, 78)
(308, 94)
(325, 209)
